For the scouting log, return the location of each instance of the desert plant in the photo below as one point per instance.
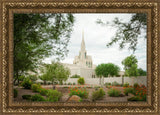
(35, 87)
(53, 95)
(126, 84)
(15, 91)
(26, 83)
(81, 81)
(37, 97)
(79, 92)
(114, 92)
(98, 94)
(27, 97)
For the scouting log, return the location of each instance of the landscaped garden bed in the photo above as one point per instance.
(89, 93)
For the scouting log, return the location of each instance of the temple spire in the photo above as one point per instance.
(82, 43)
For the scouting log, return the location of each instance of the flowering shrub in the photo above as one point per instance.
(135, 85)
(113, 92)
(107, 84)
(141, 92)
(79, 92)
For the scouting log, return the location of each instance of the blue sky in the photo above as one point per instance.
(96, 37)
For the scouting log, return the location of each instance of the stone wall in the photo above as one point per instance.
(130, 80)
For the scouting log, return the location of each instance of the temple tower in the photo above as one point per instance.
(83, 59)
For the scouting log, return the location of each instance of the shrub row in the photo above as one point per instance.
(52, 95)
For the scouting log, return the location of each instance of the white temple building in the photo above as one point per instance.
(82, 64)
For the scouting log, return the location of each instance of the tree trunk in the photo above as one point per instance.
(44, 82)
(14, 82)
(61, 82)
(99, 80)
(16, 78)
(103, 81)
(18, 81)
(122, 80)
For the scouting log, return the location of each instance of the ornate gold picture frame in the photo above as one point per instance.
(9, 7)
